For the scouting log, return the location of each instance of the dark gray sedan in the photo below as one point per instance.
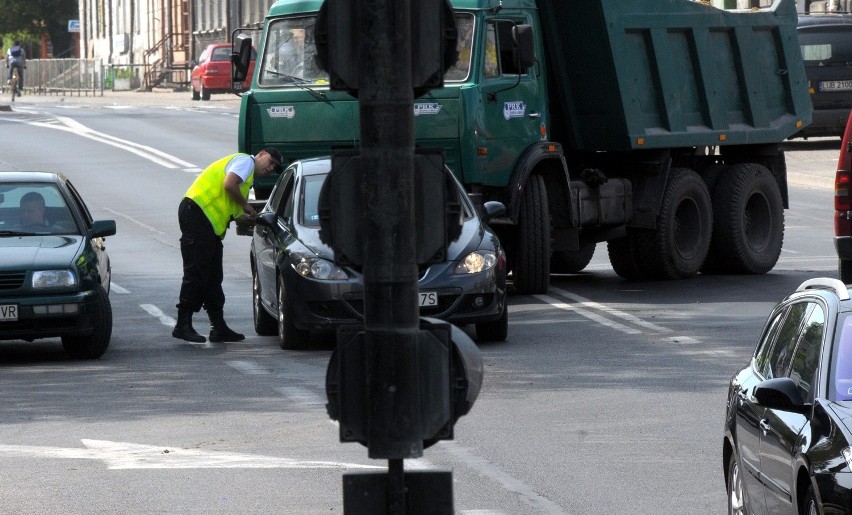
(298, 288)
(54, 270)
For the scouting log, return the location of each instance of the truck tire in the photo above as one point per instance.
(531, 270)
(571, 261)
(684, 228)
(626, 255)
(748, 226)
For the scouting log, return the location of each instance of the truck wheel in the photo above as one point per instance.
(289, 337)
(264, 323)
(93, 346)
(684, 227)
(571, 261)
(531, 271)
(625, 259)
(749, 221)
(845, 269)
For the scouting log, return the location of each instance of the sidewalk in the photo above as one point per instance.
(156, 98)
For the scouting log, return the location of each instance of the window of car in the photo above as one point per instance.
(310, 199)
(57, 218)
(841, 359)
(826, 46)
(806, 356)
(499, 50)
(222, 53)
(289, 55)
(280, 187)
(777, 361)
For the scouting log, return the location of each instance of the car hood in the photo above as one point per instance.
(27, 252)
(473, 236)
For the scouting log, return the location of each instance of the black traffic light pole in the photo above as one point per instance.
(391, 313)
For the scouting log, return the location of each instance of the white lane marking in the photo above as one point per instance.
(151, 154)
(248, 367)
(510, 483)
(135, 221)
(116, 288)
(687, 340)
(156, 312)
(122, 455)
(588, 314)
(301, 395)
(611, 311)
(193, 170)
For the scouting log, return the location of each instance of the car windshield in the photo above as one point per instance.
(289, 53)
(311, 193)
(825, 46)
(34, 208)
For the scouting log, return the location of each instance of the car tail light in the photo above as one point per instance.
(843, 177)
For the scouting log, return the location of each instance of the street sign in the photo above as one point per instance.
(73, 25)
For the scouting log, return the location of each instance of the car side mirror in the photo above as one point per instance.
(103, 228)
(267, 219)
(240, 59)
(492, 209)
(780, 393)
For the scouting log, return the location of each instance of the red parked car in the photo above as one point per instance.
(843, 205)
(212, 72)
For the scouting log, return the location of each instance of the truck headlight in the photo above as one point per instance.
(53, 279)
(477, 261)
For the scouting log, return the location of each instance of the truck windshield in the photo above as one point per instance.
(289, 54)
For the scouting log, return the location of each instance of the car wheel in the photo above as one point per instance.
(264, 323)
(495, 331)
(811, 507)
(195, 94)
(531, 270)
(845, 269)
(736, 499)
(94, 345)
(289, 336)
(205, 93)
(572, 261)
(748, 223)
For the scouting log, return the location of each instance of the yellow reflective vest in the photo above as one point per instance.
(208, 191)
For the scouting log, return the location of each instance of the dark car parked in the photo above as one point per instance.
(298, 288)
(843, 206)
(54, 269)
(826, 42)
(787, 445)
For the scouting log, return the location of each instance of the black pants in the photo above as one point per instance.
(201, 250)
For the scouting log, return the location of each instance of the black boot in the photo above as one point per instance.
(219, 330)
(184, 330)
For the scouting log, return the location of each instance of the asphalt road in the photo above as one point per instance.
(608, 396)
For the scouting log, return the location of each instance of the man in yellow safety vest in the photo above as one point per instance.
(218, 195)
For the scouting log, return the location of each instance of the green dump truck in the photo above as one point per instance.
(651, 125)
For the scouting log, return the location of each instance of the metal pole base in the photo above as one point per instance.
(427, 492)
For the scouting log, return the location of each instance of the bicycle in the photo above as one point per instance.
(13, 83)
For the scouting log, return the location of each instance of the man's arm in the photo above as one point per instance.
(232, 188)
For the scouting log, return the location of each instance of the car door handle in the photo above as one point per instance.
(534, 115)
(764, 426)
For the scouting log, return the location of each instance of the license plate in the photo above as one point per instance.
(428, 298)
(835, 85)
(9, 312)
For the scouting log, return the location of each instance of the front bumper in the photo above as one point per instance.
(32, 325)
(462, 299)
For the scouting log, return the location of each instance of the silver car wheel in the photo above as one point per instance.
(736, 502)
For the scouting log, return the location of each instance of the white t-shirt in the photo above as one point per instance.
(242, 166)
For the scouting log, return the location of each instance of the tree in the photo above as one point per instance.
(39, 17)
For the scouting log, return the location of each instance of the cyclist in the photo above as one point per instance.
(16, 57)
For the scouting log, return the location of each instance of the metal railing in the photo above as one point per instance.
(64, 77)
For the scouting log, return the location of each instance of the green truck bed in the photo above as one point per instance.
(631, 74)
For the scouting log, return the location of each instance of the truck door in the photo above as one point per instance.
(513, 104)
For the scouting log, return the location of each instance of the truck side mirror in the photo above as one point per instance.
(240, 60)
(524, 46)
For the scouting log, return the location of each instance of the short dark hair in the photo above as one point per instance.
(33, 196)
(276, 155)
(17, 43)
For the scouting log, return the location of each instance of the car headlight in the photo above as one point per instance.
(847, 453)
(54, 279)
(477, 261)
(317, 268)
